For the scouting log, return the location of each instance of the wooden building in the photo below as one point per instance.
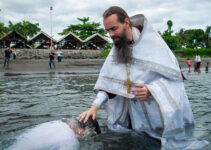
(95, 42)
(41, 41)
(13, 39)
(69, 41)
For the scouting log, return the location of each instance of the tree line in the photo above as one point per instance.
(190, 38)
(28, 29)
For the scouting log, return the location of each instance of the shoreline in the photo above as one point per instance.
(42, 66)
(68, 65)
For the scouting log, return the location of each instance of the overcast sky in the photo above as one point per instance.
(188, 14)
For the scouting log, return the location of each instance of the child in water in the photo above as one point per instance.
(207, 67)
(188, 63)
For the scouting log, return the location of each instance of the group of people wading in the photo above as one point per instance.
(197, 64)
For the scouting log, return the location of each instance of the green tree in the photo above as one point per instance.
(171, 40)
(181, 36)
(170, 24)
(26, 28)
(194, 38)
(207, 37)
(108, 45)
(85, 29)
(3, 29)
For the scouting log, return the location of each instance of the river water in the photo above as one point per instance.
(29, 99)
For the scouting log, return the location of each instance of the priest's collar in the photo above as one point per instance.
(136, 34)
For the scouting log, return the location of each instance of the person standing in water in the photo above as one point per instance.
(207, 67)
(188, 64)
(198, 62)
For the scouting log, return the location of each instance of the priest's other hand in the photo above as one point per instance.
(85, 115)
(141, 92)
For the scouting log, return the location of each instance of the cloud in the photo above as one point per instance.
(184, 13)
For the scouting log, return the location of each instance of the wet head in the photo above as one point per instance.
(91, 127)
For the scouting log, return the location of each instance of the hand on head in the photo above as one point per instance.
(81, 128)
(85, 115)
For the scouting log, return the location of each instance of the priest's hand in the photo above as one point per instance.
(85, 115)
(141, 92)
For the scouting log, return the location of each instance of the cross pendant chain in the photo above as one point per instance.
(128, 83)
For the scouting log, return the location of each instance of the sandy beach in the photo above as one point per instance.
(67, 65)
(42, 66)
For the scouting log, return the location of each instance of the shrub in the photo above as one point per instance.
(104, 53)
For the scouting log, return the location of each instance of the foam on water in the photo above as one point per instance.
(55, 135)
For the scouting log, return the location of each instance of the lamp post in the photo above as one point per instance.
(51, 8)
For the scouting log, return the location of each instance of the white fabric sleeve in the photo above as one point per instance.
(101, 97)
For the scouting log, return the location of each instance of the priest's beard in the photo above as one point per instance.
(123, 49)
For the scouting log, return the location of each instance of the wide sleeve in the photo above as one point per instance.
(101, 98)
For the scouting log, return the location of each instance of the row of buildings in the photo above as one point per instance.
(42, 40)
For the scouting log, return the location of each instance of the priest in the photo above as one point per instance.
(140, 83)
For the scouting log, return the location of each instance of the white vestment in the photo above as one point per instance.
(153, 64)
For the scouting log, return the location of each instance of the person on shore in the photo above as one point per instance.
(59, 55)
(14, 54)
(139, 90)
(188, 64)
(62, 134)
(51, 59)
(207, 67)
(198, 62)
(7, 53)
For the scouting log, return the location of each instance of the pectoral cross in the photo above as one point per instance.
(128, 83)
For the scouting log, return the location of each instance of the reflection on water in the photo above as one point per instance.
(30, 99)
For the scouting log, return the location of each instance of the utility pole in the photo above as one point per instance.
(209, 37)
(51, 8)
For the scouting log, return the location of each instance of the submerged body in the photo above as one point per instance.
(56, 135)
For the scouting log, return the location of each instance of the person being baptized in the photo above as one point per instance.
(91, 127)
(56, 135)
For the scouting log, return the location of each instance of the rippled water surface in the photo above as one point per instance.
(27, 100)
